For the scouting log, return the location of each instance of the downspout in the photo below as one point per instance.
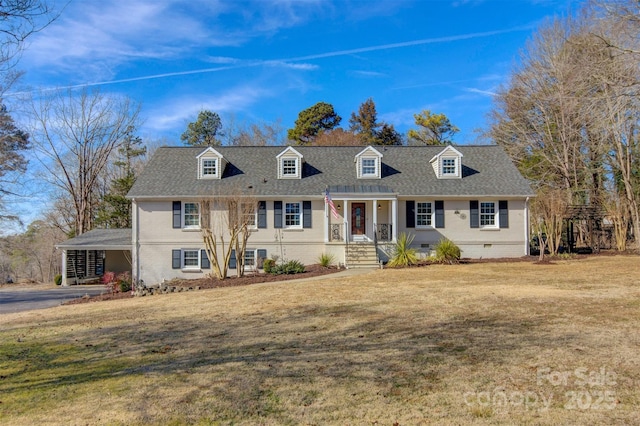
(135, 245)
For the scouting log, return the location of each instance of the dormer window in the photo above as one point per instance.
(450, 166)
(289, 164)
(210, 164)
(447, 164)
(209, 167)
(289, 167)
(369, 168)
(368, 163)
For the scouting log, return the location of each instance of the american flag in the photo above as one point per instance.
(328, 200)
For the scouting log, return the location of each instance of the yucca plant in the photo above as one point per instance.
(447, 251)
(326, 260)
(403, 254)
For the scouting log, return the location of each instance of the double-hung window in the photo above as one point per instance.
(191, 215)
(449, 167)
(290, 167)
(210, 167)
(424, 214)
(249, 214)
(488, 214)
(190, 259)
(369, 167)
(292, 215)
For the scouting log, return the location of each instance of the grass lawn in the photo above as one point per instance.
(492, 343)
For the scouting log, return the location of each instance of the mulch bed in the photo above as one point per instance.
(310, 271)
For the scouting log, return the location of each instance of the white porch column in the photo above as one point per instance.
(63, 272)
(394, 220)
(346, 220)
(375, 216)
(327, 222)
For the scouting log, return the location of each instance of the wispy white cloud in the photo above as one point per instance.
(180, 111)
(246, 64)
(480, 91)
(369, 73)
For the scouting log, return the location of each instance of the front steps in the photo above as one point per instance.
(361, 255)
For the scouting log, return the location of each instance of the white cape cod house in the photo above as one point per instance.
(472, 195)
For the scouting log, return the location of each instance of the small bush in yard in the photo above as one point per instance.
(108, 277)
(403, 254)
(290, 267)
(268, 265)
(325, 260)
(124, 282)
(58, 279)
(447, 251)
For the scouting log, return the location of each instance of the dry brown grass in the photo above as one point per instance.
(432, 345)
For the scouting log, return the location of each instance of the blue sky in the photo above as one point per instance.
(264, 61)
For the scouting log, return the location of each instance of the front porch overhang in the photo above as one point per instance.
(366, 213)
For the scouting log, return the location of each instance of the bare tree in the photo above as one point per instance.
(75, 136)
(254, 134)
(18, 20)
(547, 217)
(226, 223)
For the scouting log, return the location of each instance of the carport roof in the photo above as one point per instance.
(99, 239)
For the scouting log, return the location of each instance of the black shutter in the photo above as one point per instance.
(177, 214)
(232, 260)
(176, 259)
(306, 214)
(262, 255)
(262, 214)
(204, 260)
(411, 214)
(474, 214)
(439, 214)
(504, 213)
(277, 214)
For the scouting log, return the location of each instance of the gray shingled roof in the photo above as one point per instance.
(172, 173)
(99, 239)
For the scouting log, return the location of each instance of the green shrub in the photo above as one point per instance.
(447, 251)
(124, 282)
(268, 265)
(290, 267)
(403, 254)
(325, 260)
(58, 279)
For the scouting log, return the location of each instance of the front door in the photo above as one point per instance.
(357, 219)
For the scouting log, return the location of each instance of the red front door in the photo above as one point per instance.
(357, 218)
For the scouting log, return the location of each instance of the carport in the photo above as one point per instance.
(87, 257)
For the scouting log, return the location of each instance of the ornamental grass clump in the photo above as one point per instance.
(403, 254)
(326, 260)
(447, 252)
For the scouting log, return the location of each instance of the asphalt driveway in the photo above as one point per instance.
(18, 299)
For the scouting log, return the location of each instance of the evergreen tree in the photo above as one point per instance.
(205, 131)
(312, 122)
(115, 209)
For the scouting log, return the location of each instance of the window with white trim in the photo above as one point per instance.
(190, 259)
(250, 258)
(449, 166)
(293, 215)
(209, 167)
(488, 214)
(369, 167)
(249, 213)
(289, 167)
(424, 214)
(191, 215)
